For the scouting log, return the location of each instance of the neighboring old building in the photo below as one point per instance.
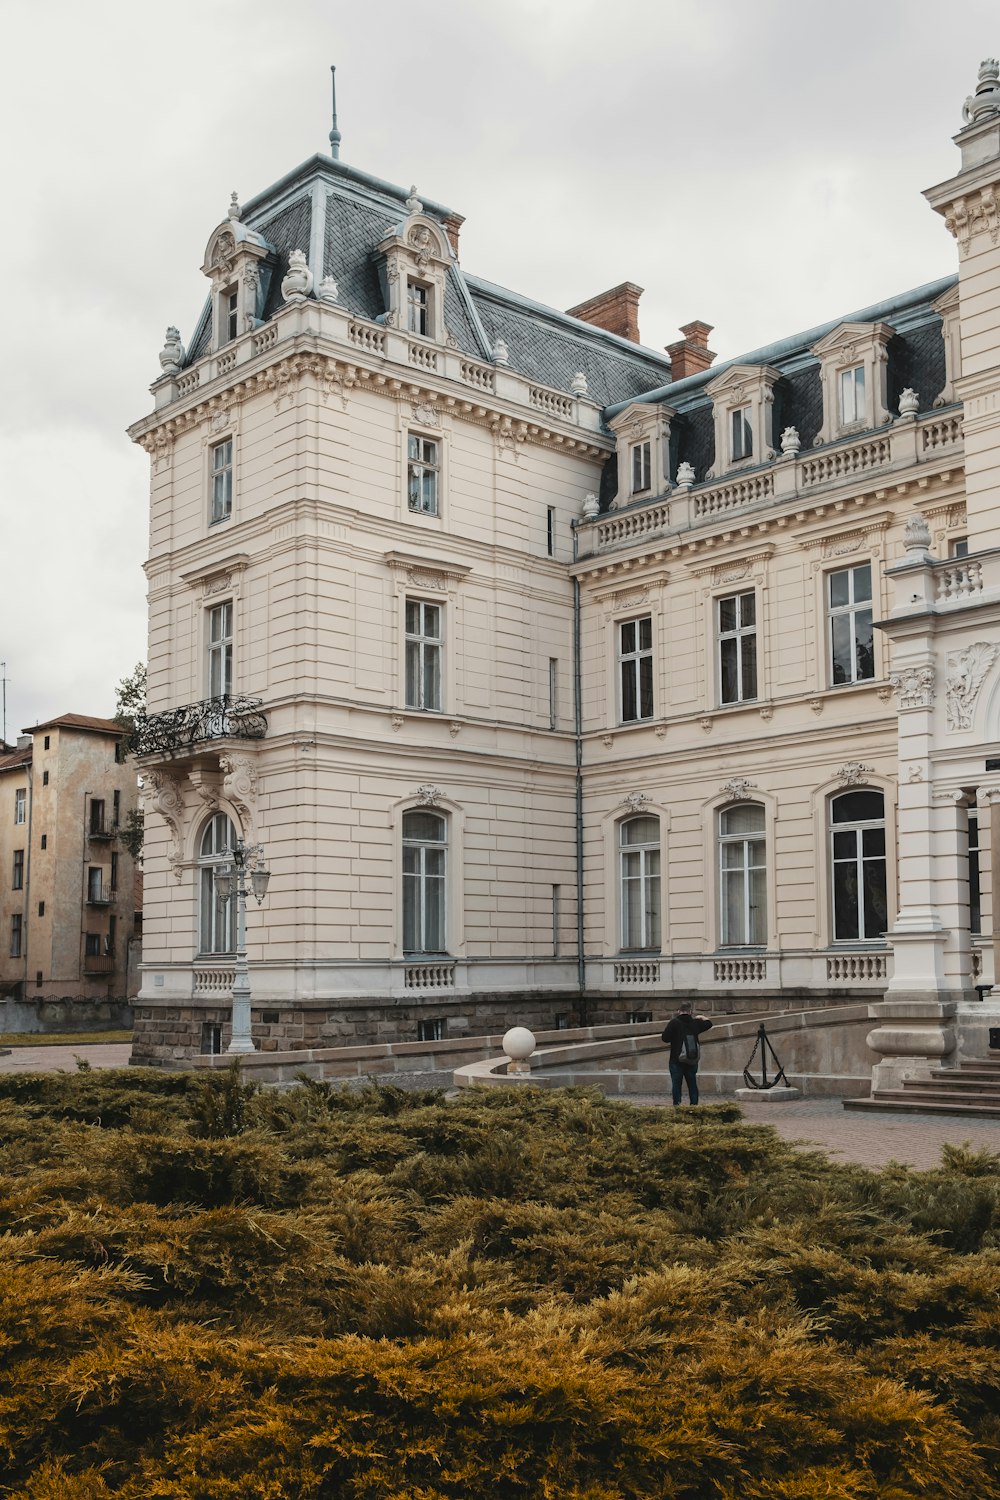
(546, 670)
(69, 913)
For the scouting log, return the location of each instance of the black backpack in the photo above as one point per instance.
(689, 1049)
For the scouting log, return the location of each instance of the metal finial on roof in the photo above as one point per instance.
(334, 133)
(986, 100)
(234, 206)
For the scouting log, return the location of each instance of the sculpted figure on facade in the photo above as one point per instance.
(239, 787)
(914, 686)
(966, 674)
(166, 799)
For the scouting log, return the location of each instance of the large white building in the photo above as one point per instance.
(557, 676)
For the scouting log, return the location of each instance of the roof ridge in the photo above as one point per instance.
(576, 325)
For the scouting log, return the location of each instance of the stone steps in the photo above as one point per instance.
(969, 1089)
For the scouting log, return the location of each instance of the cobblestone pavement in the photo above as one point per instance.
(815, 1124)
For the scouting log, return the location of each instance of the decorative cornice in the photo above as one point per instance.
(426, 572)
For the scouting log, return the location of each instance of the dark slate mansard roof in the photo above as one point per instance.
(916, 359)
(544, 345)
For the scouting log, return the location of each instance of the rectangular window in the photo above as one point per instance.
(975, 898)
(740, 434)
(550, 531)
(114, 871)
(41, 908)
(17, 880)
(417, 308)
(432, 1030)
(44, 844)
(92, 945)
(97, 815)
(852, 395)
(111, 940)
(958, 546)
(737, 623)
(640, 467)
(16, 934)
(45, 778)
(116, 809)
(422, 469)
(222, 482)
(20, 805)
(46, 742)
(553, 692)
(38, 978)
(635, 668)
(423, 655)
(95, 883)
(211, 1038)
(231, 313)
(220, 650)
(555, 921)
(743, 876)
(852, 633)
(639, 1017)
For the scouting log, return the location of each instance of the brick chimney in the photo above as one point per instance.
(451, 226)
(691, 354)
(617, 310)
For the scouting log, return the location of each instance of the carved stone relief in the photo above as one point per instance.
(966, 674)
(429, 796)
(914, 686)
(635, 801)
(738, 789)
(166, 799)
(854, 773)
(239, 787)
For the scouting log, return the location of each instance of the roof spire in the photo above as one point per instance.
(334, 133)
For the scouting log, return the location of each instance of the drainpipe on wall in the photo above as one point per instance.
(581, 966)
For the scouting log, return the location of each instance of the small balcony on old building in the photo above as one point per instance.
(98, 963)
(181, 729)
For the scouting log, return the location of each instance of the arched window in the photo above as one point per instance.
(743, 879)
(639, 844)
(425, 843)
(217, 915)
(857, 839)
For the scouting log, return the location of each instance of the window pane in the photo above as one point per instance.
(845, 844)
(646, 633)
(632, 914)
(727, 613)
(411, 913)
(641, 831)
(843, 648)
(839, 589)
(434, 916)
(845, 901)
(427, 826)
(432, 677)
(864, 644)
(872, 842)
(862, 583)
(653, 909)
(747, 817)
(645, 687)
(629, 703)
(758, 906)
(412, 674)
(858, 807)
(432, 621)
(748, 609)
(729, 670)
(748, 647)
(874, 898)
(732, 908)
(627, 637)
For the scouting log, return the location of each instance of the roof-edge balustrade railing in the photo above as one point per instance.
(225, 718)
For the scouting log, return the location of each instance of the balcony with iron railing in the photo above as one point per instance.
(100, 828)
(99, 963)
(101, 895)
(839, 470)
(224, 718)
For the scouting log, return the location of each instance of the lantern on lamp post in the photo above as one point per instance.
(231, 880)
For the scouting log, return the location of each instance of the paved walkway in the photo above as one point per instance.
(873, 1140)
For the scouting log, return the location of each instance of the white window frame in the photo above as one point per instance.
(851, 384)
(17, 935)
(419, 307)
(741, 433)
(640, 466)
(639, 868)
(423, 663)
(216, 917)
(631, 667)
(850, 610)
(219, 634)
(229, 314)
(858, 827)
(422, 466)
(20, 804)
(220, 462)
(418, 851)
(738, 636)
(744, 870)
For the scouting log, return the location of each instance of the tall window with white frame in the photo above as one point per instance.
(740, 434)
(217, 914)
(220, 650)
(641, 468)
(737, 634)
(743, 875)
(852, 396)
(20, 804)
(639, 851)
(857, 849)
(852, 633)
(229, 303)
(422, 470)
(425, 847)
(423, 655)
(222, 482)
(417, 307)
(635, 669)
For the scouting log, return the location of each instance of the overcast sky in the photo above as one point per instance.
(757, 164)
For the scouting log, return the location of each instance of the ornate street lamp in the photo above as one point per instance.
(230, 880)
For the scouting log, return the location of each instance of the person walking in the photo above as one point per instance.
(681, 1035)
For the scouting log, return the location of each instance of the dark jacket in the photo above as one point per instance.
(675, 1030)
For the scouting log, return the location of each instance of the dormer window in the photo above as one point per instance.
(238, 262)
(417, 308)
(640, 467)
(230, 314)
(854, 373)
(852, 395)
(740, 434)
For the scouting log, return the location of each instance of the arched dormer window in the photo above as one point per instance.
(238, 264)
(858, 868)
(413, 268)
(217, 916)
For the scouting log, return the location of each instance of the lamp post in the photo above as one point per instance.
(247, 859)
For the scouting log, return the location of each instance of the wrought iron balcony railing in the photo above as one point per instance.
(101, 895)
(99, 963)
(97, 828)
(222, 718)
